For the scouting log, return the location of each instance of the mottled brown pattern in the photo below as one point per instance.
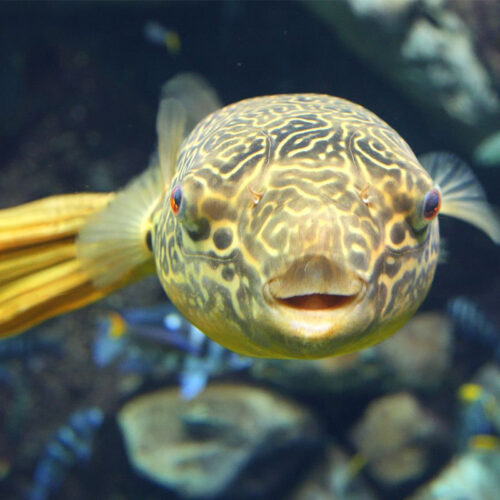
(287, 178)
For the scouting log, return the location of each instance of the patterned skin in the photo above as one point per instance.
(299, 231)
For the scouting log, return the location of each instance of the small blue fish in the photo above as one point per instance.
(212, 358)
(199, 358)
(71, 444)
(159, 35)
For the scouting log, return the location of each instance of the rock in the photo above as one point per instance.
(419, 355)
(396, 436)
(483, 20)
(474, 475)
(429, 54)
(349, 372)
(236, 440)
(335, 478)
(487, 152)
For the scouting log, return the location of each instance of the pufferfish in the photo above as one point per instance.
(285, 226)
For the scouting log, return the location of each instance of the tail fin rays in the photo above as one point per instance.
(47, 219)
(63, 252)
(40, 273)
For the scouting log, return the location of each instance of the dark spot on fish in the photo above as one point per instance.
(392, 269)
(397, 233)
(402, 203)
(422, 185)
(358, 260)
(228, 274)
(200, 230)
(390, 186)
(149, 241)
(223, 238)
(214, 209)
(381, 295)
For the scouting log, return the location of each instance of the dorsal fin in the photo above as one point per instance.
(462, 195)
(170, 128)
(196, 95)
(185, 100)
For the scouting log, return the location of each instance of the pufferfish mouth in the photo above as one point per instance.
(314, 284)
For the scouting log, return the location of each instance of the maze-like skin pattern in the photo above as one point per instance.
(271, 180)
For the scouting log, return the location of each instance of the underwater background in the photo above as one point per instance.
(124, 399)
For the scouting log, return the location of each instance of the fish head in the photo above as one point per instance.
(294, 266)
(296, 256)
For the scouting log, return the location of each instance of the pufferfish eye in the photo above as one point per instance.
(432, 204)
(176, 199)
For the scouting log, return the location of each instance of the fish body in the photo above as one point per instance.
(294, 213)
(286, 226)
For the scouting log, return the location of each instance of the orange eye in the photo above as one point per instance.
(176, 199)
(432, 204)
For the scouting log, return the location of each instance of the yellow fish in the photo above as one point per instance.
(286, 226)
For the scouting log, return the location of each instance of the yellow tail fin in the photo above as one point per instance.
(63, 252)
(41, 273)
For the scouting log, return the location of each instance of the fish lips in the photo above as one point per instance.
(314, 283)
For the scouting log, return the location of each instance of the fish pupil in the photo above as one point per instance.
(432, 204)
(176, 199)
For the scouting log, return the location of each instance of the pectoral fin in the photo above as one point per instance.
(462, 195)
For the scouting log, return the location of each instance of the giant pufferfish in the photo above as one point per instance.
(285, 226)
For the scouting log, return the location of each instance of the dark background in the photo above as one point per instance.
(80, 82)
(79, 86)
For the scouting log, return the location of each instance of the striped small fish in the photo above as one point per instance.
(71, 444)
